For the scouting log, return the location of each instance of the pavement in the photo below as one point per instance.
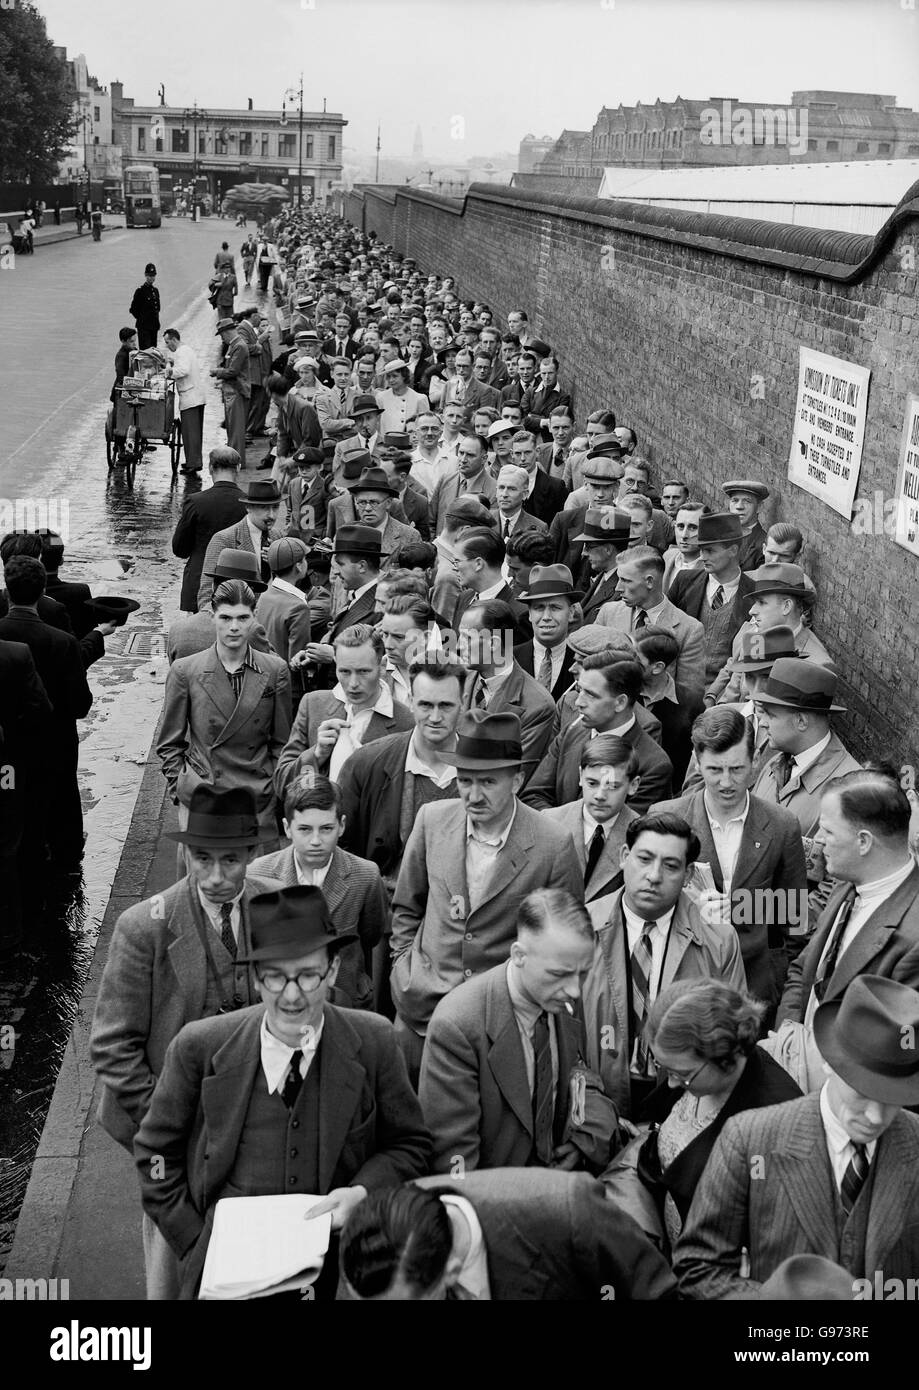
(72, 1188)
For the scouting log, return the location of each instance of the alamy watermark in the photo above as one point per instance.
(754, 125)
(35, 514)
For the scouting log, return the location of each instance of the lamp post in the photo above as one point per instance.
(197, 117)
(292, 94)
(85, 119)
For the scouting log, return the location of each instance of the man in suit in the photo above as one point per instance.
(552, 457)
(25, 719)
(604, 537)
(203, 515)
(543, 398)
(76, 597)
(259, 527)
(173, 959)
(308, 496)
(516, 390)
(745, 497)
(510, 496)
(545, 496)
(598, 820)
(636, 477)
(62, 673)
(752, 847)
(466, 863)
(550, 596)
(282, 608)
(357, 557)
(226, 713)
(330, 725)
(652, 935)
(470, 475)
(684, 554)
(465, 391)
(372, 500)
(641, 578)
(293, 1095)
(607, 692)
(233, 376)
(343, 344)
(297, 421)
(489, 1092)
(794, 705)
(314, 822)
(718, 594)
(414, 501)
(871, 922)
(603, 469)
(834, 1174)
(480, 556)
(498, 684)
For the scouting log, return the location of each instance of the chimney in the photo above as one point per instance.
(117, 89)
(250, 103)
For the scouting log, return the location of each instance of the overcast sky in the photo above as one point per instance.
(507, 67)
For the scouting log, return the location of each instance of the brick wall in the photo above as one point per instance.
(671, 318)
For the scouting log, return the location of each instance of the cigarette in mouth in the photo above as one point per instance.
(569, 1008)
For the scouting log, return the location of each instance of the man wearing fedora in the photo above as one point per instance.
(794, 705)
(292, 1095)
(205, 513)
(745, 497)
(718, 594)
(372, 498)
(259, 527)
(605, 536)
(233, 376)
(466, 864)
(226, 713)
(782, 596)
(833, 1174)
(194, 632)
(174, 958)
(550, 597)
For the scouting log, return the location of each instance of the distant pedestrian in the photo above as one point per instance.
(224, 257)
(184, 370)
(234, 384)
(145, 308)
(248, 251)
(57, 212)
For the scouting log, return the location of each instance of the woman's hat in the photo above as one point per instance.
(486, 741)
(219, 820)
(239, 564)
(795, 683)
(291, 922)
(109, 609)
(869, 1037)
(551, 581)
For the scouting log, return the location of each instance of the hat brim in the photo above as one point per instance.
(260, 501)
(575, 595)
(460, 761)
(759, 665)
(759, 491)
(192, 837)
(787, 592)
(295, 946)
(257, 586)
(113, 610)
(610, 539)
(373, 487)
(795, 704)
(888, 1090)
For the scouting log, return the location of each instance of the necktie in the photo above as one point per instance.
(822, 984)
(717, 598)
(543, 1100)
(641, 618)
(226, 928)
(263, 558)
(853, 1179)
(507, 528)
(641, 995)
(478, 698)
(545, 670)
(559, 460)
(594, 850)
(342, 392)
(293, 1080)
(340, 351)
(784, 768)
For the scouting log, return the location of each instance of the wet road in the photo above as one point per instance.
(61, 312)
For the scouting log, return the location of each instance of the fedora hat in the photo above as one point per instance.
(219, 820)
(808, 1279)
(720, 528)
(605, 526)
(291, 922)
(756, 489)
(374, 480)
(551, 581)
(261, 493)
(759, 650)
(239, 564)
(869, 1037)
(783, 578)
(352, 465)
(358, 540)
(110, 609)
(284, 553)
(795, 683)
(486, 741)
(223, 325)
(364, 405)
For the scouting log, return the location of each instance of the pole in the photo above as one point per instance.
(300, 160)
(377, 179)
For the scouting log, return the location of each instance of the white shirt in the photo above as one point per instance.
(494, 683)
(507, 523)
(680, 562)
(653, 614)
(351, 736)
(838, 1144)
(255, 535)
(532, 483)
(727, 838)
(481, 854)
(415, 764)
(619, 730)
(492, 591)
(802, 761)
(312, 877)
(590, 825)
(473, 1277)
(714, 584)
(276, 1055)
(526, 1015)
(556, 655)
(212, 913)
(187, 376)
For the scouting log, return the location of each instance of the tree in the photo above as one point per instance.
(36, 99)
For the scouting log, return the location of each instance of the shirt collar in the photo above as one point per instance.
(619, 730)
(524, 1008)
(276, 1055)
(634, 920)
(881, 888)
(499, 843)
(356, 593)
(836, 1137)
(317, 877)
(808, 756)
(493, 683)
(723, 825)
(213, 909)
(416, 765)
(493, 590)
(383, 705)
(590, 824)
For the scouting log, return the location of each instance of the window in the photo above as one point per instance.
(287, 146)
(141, 139)
(97, 114)
(812, 144)
(863, 147)
(245, 142)
(331, 147)
(832, 145)
(180, 142)
(202, 142)
(264, 146)
(308, 153)
(884, 147)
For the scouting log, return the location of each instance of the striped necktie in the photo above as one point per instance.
(717, 598)
(853, 1179)
(543, 1099)
(545, 670)
(822, 984)
(641, 996)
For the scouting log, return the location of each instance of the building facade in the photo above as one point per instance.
(226, 146)
(532, 151)
(95, 154)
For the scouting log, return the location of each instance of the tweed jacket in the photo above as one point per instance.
(522, 695)
(314, 708)
(286, 620)
(235, 537)
(802, 795)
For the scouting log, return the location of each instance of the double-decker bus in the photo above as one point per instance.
(142, 196)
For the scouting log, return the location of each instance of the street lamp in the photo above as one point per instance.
(292, 94)
(85, 119)
(197, 117)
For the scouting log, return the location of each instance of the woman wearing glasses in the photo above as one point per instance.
(703, 1035)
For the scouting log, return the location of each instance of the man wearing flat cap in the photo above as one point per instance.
(294, 1095)
(835, 1173)
(745, 497)
(233, 375)
(174, 958)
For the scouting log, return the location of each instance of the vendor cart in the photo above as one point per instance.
(143, 411)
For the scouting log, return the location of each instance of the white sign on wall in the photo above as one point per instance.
(829, 428)
(907, 532)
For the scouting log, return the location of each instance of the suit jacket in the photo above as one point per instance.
(801, 795)
(769, 1186)
(316, 496)
(476, 394)
(437, 942)
(194, 632)
(597, 594)
(539, 403)
(208, 736)
(74, 596)
(203, 515)
(417, 508)
(607, 876)
(727, 687)
(689, 668)
(887, 944)
(60, 668)
(314, 708)
(547, 498)
(298, 424)
(474, 1091)
(523, 655)
(688, 592)
(695, 950)
(525, 521)
(233, 373)
(350, 350)
(557, 779)
(506, 594)
(370, 1127)
(231, 538)
(545, 455)
(154, 982)
(449, 487)
(286, 620)
(750, 554)
(522, 695)
(395, 533)
(354, 894)
(770, 866)
(371, 784)
(670, 556)
(554, 1236)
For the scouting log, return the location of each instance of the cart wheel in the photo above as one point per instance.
(109, 452)
(175, 445)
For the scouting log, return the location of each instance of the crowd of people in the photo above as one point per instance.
(530, 910)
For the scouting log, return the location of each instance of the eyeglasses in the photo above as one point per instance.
(307, 981)
(682, 1077)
